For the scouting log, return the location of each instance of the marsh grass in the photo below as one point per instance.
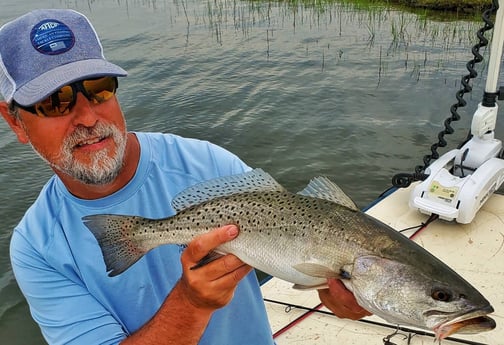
(452, 5)
(374, 15)
(392, 33)
(434, 8)
(411, 34)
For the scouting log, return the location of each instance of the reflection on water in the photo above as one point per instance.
(356, 94)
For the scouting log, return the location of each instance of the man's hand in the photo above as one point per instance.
(211, 286)
(185, 314)
(341, 301)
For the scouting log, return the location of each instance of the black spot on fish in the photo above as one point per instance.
(345, 274)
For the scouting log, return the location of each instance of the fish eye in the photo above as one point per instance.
(441, 295)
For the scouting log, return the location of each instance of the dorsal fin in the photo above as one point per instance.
(256, 180)
(321, 187)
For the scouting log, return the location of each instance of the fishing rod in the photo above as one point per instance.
(309, 311)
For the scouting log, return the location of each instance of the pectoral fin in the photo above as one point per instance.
(316, 270)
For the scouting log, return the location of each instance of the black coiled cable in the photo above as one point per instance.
(403, 180)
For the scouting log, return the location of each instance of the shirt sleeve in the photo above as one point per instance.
(64, 309)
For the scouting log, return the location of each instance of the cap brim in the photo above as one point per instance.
(47, 83)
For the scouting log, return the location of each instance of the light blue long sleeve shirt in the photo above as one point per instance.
(60, 270)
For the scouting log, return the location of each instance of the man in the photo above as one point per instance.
(59, 96)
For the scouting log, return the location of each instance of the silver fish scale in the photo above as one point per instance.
(270, 222)
(297, 226)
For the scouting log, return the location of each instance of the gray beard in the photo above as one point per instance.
(103, 169)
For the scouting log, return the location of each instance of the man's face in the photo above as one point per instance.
(88, 144)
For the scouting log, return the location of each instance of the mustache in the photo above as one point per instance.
(82, 134)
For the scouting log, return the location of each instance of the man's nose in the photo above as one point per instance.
(83, 112)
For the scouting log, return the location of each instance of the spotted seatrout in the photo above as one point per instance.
(305, 238)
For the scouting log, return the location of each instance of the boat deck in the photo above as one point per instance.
(475, 251)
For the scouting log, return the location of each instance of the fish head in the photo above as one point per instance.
(407, 294)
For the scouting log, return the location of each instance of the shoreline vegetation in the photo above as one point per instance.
(435, 8)
(465, 6)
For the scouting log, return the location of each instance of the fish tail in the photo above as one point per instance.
(116, 236)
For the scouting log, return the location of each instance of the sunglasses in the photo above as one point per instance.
(61, 102)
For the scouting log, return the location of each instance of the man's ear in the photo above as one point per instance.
(14, 122)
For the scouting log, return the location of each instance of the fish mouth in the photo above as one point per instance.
(474, 321)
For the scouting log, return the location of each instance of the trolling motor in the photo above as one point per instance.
(461, 181)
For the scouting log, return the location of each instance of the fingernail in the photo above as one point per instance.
(232, 231)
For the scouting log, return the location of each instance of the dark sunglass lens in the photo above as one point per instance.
(58, 104)
(100, 90)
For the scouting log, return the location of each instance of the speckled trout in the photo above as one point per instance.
(305, 238)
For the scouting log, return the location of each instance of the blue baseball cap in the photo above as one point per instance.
(44, 50)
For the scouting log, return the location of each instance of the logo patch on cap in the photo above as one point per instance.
(52, 37)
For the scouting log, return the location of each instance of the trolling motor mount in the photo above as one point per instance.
(461, 181)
